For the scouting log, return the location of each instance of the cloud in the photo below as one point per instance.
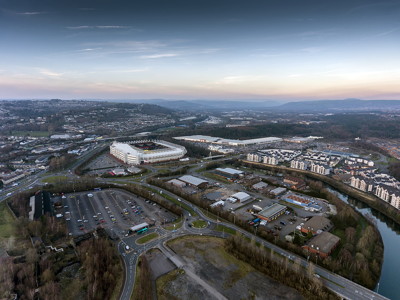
(239, 79)
(97, 27)
(129, 71)
(161, 55)
(312, 49)
(31, 13)
(50, 73)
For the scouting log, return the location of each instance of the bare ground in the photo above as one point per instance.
(233, 278)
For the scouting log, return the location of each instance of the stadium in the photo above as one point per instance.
(146, 151)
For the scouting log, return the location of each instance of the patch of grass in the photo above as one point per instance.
(7, 222)
(55, 179)
(199, 224)
(162, 281)
(225, 229)
(209, 214)
(137, 280)
(147, 238)
(178, 224)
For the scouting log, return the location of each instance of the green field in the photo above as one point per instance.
(31, 133)
(6, 223)
(147, 238)
(55, 179)
(225, 229)
(199, 224)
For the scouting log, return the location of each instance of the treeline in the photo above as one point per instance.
(143, 286)
(293, 276)
(101, 268)
(59, 163)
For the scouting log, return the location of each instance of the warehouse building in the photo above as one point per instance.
(272, 212)
(322, 244)
(316, 225)
(241, 196)
(177, 182)
(146, 151)
(229, 173)
(194, 181)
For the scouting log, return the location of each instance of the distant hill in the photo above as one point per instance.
(339, 105)
(196, 105)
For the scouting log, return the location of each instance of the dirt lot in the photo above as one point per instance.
(231, 277)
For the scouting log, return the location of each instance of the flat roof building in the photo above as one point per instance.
(272, 212)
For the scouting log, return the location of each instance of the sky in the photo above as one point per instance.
(200, 49)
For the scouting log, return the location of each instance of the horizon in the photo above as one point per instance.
(226, 51)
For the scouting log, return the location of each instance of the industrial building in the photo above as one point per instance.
(229, 173)
(194, 181)
(138, 152)
(241, 196)
(322, 244)
(230, 142)
(302, 201)
(177, 182)
(278, 191)
(260, 185)
(272, 212)
(316, 225)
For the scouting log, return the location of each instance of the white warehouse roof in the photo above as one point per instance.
(230, 171)
(241, 196)
(192, 180)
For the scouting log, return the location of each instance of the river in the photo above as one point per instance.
(388, 285)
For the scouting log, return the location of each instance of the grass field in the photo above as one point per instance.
(175, 225)
(147, 238)
(199, 224)
(225, 229)
(31, 133)
(55, 179)
(6, 223)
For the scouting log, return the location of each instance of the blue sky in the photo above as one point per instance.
(200, 49)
